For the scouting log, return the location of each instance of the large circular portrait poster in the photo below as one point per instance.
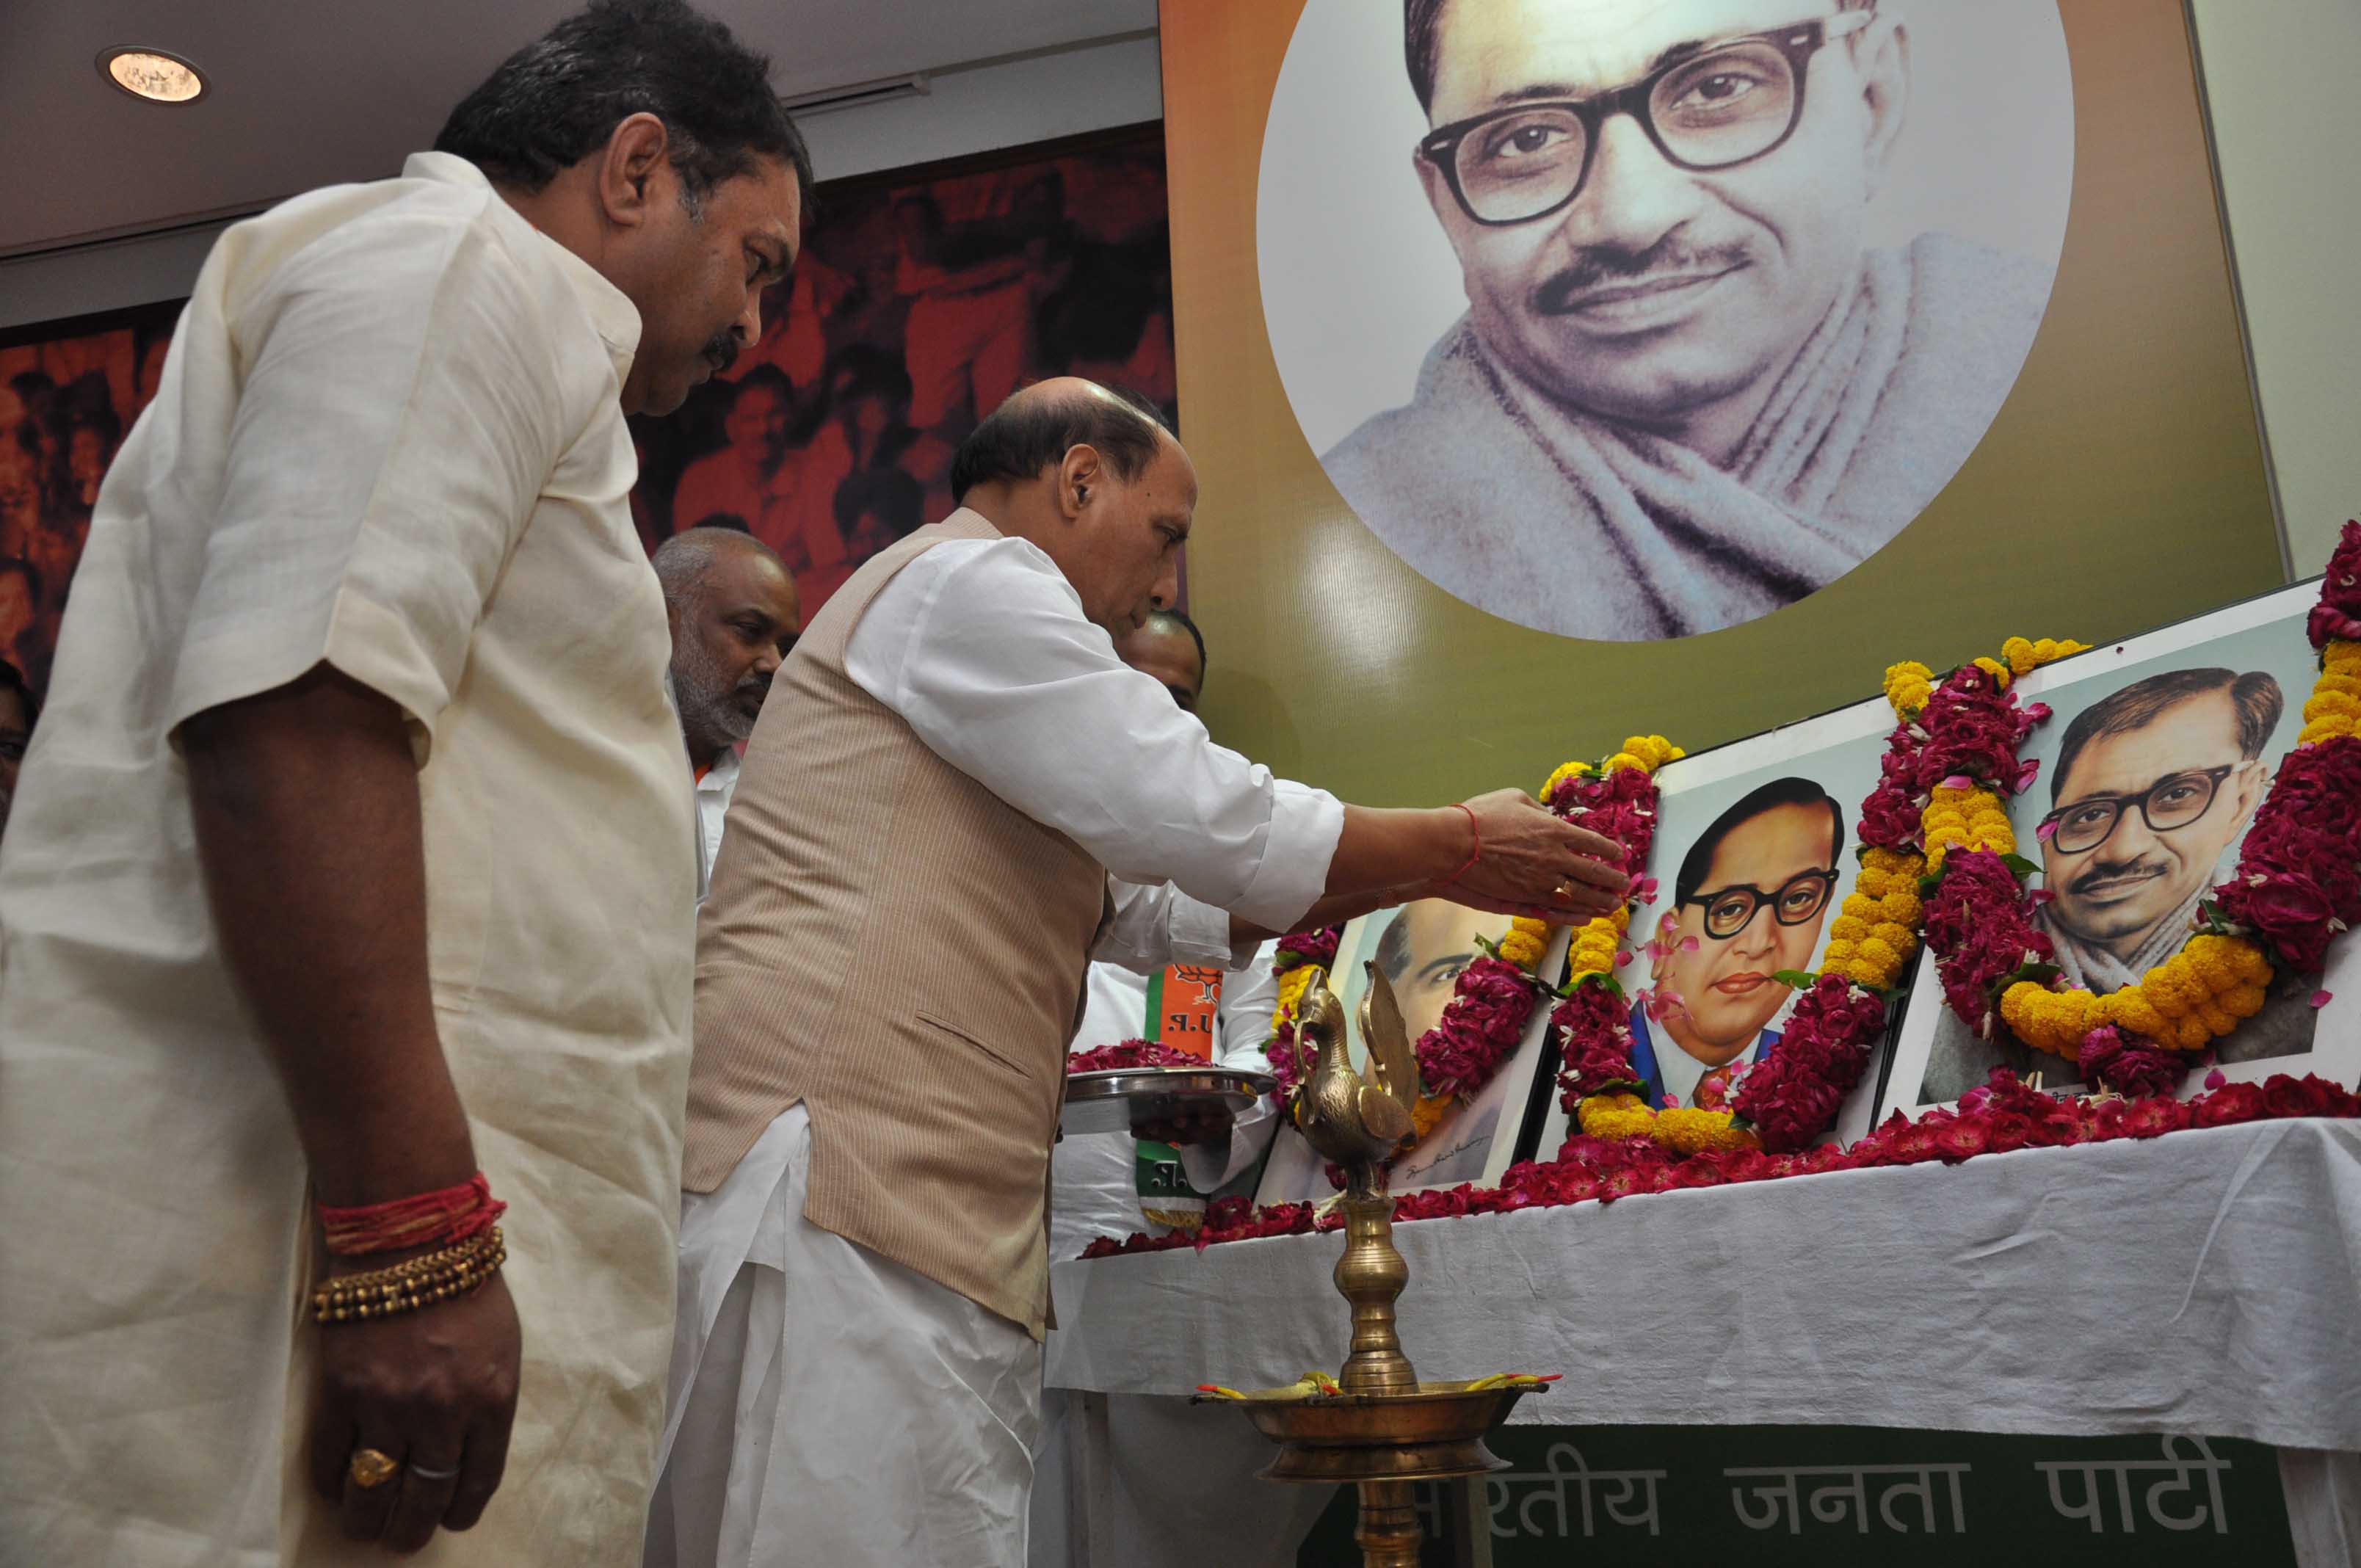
(1635, 319)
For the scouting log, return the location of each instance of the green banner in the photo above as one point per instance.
(1830, 1497)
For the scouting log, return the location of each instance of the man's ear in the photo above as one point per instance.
(631, 169)
(2252, 778)
(1437, 186)
(1883, 50)
(1080, 475)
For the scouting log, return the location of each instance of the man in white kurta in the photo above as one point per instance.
(388, 458)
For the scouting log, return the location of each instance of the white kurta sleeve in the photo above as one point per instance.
(1149, 927)
(981, 647)
(396, 424)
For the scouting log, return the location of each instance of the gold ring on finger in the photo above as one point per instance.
(1564, 892)
(371, 1468)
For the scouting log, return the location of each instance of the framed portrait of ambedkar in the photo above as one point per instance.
(1422, 947)
(1753, 852)
(2157, 753)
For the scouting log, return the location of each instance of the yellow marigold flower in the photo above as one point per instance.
(1688, 1130)
(2188, 1034)
(1908, 687)
(2325, 728)
(1521, 950)
(1621, 919)
(2216, 1021)
(1901, 908)
(1849, 928)
(1861, 970)
(1564, 770)
(1874, 881)
(1294, 982)
(1881, 953)
(2243, 957)
(1651, 751)
(1615, 1116)
(1623, 760)
(2131, 1008)
(2020, 655)
(1841, 950)
(2244, 1000)
(1907, 863)
(2170, 990)
(2341, 657)
(2323, 702)
(1996, 670)
(1894, 936)
(2349, 685)
(1426, 1116)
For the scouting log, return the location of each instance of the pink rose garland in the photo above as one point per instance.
(1995, 1120)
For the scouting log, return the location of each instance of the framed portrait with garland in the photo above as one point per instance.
(1430, 950)
(2138, 790)
(1753, 851)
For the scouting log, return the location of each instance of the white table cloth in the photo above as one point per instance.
(2205, 1282)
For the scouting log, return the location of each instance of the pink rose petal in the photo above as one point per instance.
(2323, 998)
(2217, 1078)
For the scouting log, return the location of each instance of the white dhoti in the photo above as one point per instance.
(830, 1406)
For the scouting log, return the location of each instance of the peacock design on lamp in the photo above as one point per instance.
(1358, 1118)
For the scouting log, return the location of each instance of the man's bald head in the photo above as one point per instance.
(1038, 425)
(734, 614)
(1093, 478)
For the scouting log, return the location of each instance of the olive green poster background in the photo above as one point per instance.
(2122, 486)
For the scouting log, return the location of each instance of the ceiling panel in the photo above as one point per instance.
(310, 93)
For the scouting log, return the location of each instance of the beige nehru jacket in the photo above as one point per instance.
(857, 956)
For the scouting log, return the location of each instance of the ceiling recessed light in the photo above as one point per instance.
(153, 74)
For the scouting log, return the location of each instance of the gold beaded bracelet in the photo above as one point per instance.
(406, 1286)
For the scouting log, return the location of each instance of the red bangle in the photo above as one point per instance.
(443, 1218)
(1475, 854)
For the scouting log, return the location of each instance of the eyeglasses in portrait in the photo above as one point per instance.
(2155, 755)
(1632, 319)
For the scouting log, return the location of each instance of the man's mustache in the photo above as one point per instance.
(1613, 263)
(2107, 871)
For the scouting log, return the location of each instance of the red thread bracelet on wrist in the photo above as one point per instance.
(440, 1218)
(1473, 855)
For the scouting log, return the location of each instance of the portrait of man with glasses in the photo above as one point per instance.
(2153, 786)
(1751, 899)
(1687, 390)
(2151, 792)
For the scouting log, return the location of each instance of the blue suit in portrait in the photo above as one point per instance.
(1643, 1054)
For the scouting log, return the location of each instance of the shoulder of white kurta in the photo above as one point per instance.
(404, 254)
(981, 575)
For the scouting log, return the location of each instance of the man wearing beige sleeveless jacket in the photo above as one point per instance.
(956, 797)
